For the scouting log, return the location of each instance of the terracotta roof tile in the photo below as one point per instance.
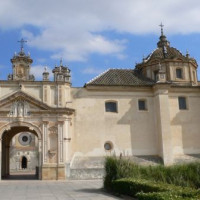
(120, 77)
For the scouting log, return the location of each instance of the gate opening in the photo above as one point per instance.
(20, 157)
(24, 162)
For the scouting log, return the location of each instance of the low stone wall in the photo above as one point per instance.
(86, 173)
(93, 167)
(186, 158)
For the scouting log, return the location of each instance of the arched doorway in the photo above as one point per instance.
(24, 162)
(6, 138)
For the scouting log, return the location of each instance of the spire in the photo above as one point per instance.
(61, 73)
(61, 62)
(163, 40)
(45, 74)
(161, 26)
(187, 53)
(21, 64)
(22, 41)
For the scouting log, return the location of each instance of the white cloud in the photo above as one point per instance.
(37, 71)
(73, 29)
(41, 60)
(92, 70)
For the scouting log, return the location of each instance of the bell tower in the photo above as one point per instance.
(21, 64)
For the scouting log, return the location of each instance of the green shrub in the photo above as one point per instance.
(162, 196)
(111, 172)
(132, 187)
(186, 175)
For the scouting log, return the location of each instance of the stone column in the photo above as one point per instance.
(45, 141)
(39, 159)
(67, 139)
(0, 157)
(7, 160)
(60, 143)
(163, 124)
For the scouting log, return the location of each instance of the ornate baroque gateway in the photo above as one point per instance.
(37, 107)
(150, 113)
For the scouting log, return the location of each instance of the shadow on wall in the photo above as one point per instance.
(186, 128)
(142, 129)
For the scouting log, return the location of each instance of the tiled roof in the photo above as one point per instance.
(168, 52)
(120, 77)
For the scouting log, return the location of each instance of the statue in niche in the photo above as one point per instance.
(20, 108)
(20, 71)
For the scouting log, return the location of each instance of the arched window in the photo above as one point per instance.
(111, 106)
(179, 73)
(155, 75)
(24, 162)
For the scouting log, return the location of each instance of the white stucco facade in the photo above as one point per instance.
(156, 113)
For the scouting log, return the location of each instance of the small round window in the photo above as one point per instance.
(108, 146)
(25, 138)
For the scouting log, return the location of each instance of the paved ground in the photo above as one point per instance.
(53, 190)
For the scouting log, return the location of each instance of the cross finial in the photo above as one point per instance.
(161, 25)
(61, 61)
(187, 53)
(22, 41)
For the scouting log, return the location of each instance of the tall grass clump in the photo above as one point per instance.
(187, 175)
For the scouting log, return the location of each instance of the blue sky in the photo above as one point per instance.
(91, 35)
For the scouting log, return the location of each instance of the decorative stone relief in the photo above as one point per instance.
(53, 146)
(53, 130)
(20, 108)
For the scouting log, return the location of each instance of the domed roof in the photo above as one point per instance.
(166, 52)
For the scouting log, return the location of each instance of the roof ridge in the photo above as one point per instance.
(178, 51)
(149, 56)
(101, 74)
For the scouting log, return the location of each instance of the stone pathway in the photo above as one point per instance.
(53, 190)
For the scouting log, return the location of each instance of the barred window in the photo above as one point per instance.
(111, 106)
(182, 103)
(142, 104)
(179, 73)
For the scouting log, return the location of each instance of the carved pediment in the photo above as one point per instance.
(22, 104)
(19, 108)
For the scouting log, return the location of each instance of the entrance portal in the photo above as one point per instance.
(18, 147)
(24, 162)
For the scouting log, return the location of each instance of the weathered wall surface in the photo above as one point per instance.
(185, 124)
(132, 132)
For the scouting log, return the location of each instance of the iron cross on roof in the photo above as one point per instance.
(161, 25)
(22, 41)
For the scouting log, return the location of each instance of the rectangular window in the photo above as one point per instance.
(179, 73)
(111, 106)
(155, 75)
(142, 105)
(182, 103)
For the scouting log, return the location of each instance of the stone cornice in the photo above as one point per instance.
(44, 108)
